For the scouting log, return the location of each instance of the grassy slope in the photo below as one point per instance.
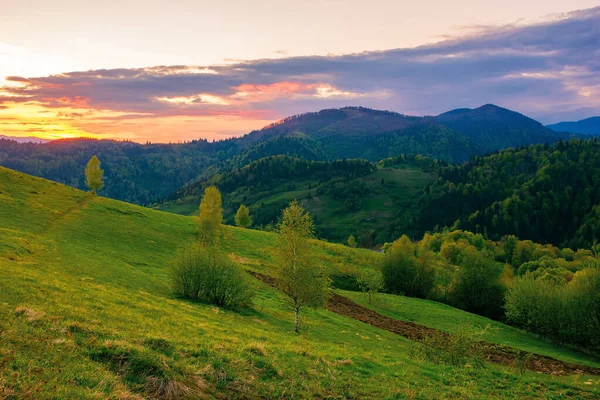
(446, 318)
(400, 185)
(84, 287)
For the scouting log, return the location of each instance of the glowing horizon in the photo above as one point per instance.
(542, 66)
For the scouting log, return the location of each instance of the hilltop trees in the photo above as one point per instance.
(303, 280)
(547, 194)
(242, 217)
(211, 216)
(93, 175)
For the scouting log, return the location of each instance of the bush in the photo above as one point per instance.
(206, 274)
(404, 273)
(563, 313)
(458, 350)
(531, 305)
(478, 289)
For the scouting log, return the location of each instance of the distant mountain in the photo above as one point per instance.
(454, 136)
(588, 126)
(25, 139)
(145, 174)
(359, 132)
(494, 128)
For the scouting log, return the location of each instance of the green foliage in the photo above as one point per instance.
(371, 282)
(405, 273)
(136, 173)
(206, 274)
(523, 192)
(463, 349)
(477, 287)
(344, 197)
(351, 241)
(303, 280)
(93, 175)
(101, 266)
(565, 313)
(211, 216)
(242, 217)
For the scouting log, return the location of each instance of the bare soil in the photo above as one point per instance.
(493, 352)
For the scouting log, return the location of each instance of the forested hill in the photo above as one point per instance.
(346, 197)
(542, 193)
(495, 128)
(455, 136)
(133, 172)
(588, 126)
(145, 174)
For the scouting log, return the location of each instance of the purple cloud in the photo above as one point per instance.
(550, 71)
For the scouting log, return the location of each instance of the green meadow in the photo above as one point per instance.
(87, 312)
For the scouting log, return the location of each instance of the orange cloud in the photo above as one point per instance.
(255, 93)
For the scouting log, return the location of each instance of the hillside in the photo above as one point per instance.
(145, 174)
(351, 197)
(494, 128)
(136, 173)
(588, 126)
(548, 194)
(87, 313)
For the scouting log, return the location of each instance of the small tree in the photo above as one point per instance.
(352, 241)
(93, 175)
(242, 217)
(370, 281)
(211, 216)
(302, 279)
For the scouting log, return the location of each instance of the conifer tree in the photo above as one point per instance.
(93, 175)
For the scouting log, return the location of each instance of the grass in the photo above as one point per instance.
(449, 319)
(86, 311)
(392, 189)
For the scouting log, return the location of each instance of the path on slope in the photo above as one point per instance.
(494, 353)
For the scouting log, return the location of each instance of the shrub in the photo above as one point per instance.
(563, 313)
(404, 273)
(477, 288)
(206, 274)
(458, 350)
(531, 305)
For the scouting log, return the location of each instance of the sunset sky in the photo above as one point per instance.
(180, 70)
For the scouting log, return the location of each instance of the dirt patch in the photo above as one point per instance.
(240, 260)
(493, 353)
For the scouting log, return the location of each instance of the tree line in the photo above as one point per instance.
(548, 194)
(544, 289)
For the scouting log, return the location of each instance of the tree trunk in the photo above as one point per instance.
(297, 329)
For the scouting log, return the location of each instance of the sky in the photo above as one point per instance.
(182, 70)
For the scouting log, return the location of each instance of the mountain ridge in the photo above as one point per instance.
(587, 126)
